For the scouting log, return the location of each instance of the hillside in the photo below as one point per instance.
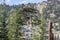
(29, 21)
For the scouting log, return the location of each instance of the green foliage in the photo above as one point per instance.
(43, 30)
(35, 37)
(41, 26)
(3, 34)
(15, 19)
(13, 26)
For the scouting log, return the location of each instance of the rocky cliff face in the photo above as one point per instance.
(52, 12)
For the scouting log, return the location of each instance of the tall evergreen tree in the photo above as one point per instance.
(3, 23)
(13, 26)
(42, 23)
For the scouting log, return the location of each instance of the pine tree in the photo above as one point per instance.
(3, 35)
(13, 26)
(42, 23)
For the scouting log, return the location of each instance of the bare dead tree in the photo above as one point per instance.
(51, 37)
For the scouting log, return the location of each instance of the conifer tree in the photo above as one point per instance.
(42, 23)
(3, 35)
(13, 26)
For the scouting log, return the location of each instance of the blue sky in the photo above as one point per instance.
(11, 2)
